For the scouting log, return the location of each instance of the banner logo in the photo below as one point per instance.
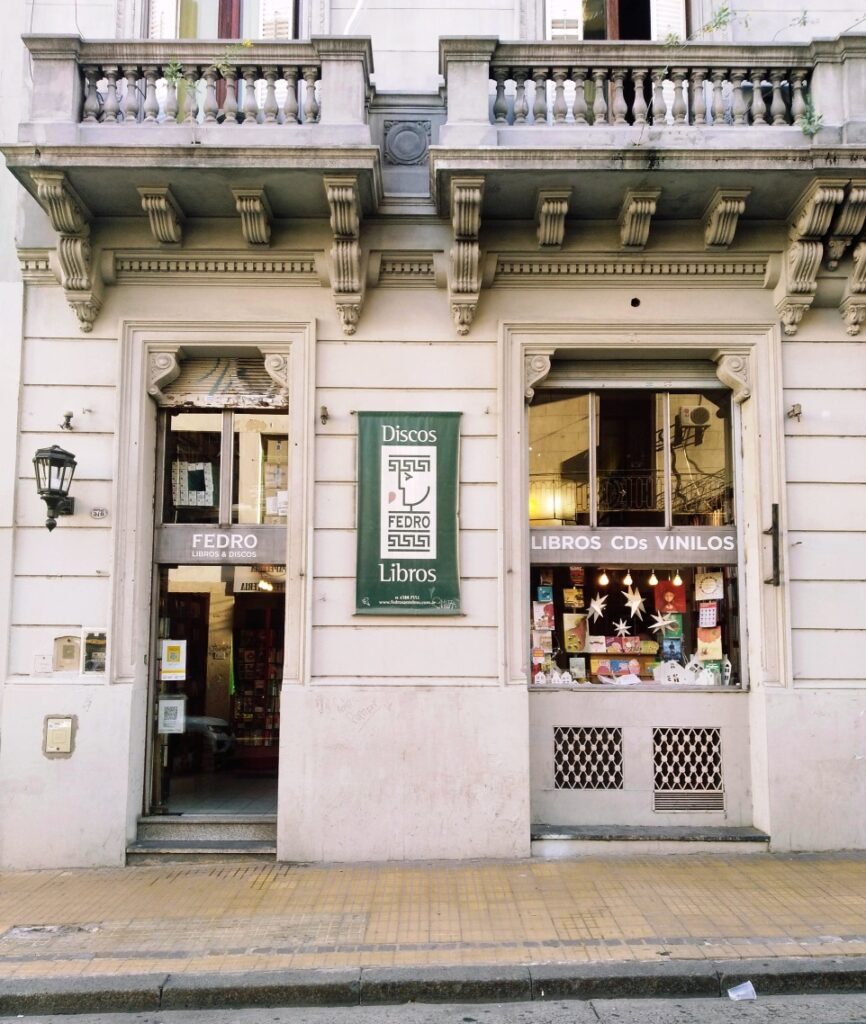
(408, 524)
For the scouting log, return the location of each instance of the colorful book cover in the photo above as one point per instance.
(649, 647)
(576, 574)
(717, 669)
(709, 586)
(545, 577)
(577, 668)
(676, 631)
(613, 644)
(537, 656)
(574, 627)
(708, 614)
(672, 649)
(597, 644)
(572, 597)
(669, 598)
(631, 644)
(710, 644)
(542, 615)
(544, 594)
(543, 639)
(600, 666)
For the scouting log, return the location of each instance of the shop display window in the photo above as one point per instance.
(600, 625)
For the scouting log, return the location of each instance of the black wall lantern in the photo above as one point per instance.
(54, 471)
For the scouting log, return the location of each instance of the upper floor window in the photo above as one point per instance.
(222, 19)
(615, 19)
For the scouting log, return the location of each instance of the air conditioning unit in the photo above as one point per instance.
(694, 416)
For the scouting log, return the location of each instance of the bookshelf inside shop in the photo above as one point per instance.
(258, 672)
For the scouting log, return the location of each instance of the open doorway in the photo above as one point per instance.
(219, 667)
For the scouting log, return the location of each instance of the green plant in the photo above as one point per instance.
(226, 62)
(173, 71)
(812, 120)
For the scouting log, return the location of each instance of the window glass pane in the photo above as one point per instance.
(701, 471)
(559, 459)
(630, 476)
(199, 19)
(192, 467)
(261, 466)
(594, 26)
(681, 630)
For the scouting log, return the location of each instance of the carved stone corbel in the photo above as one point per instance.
(848, 223)
(346, 277)
(75, 267)
(722, 216)
(162, 368)
(536, 366)
(277, 368)
(811, 221)
(464, 280)
(550, 213)
(732, 369)
(853, 305)
(165, 215)
(256, 215)
(637, 212)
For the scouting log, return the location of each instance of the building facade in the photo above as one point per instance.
(469, 435)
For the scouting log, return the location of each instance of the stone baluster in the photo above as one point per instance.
(560, 107)
(798, 100)
(578, 76)
(738, 104)
(251, 105)
(599, 103)
(759, 108)
(290, 107)
(619, 107)
(718, 76)
(170, 105)
(521, 106)
(210, 107)
(500, 107)
(130, 100)
(190, 103)
(271, 108)
(91, 96)
(699, 99)
(778, 110)
(539, 103)
(151, 103)
(660, 109)
(230, 103)
(311, 107)
(680, 108)
(639, 105)
(111, 108)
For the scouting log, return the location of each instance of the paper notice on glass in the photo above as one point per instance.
(282, 503)
(271, 504)
(173, 659)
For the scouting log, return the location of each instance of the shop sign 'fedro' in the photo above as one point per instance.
(407, 514)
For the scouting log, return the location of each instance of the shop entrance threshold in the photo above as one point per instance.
(563, 841)
(204, 838)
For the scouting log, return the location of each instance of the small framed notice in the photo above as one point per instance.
(171, 714)
(173, 659)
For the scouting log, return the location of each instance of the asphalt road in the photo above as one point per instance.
(825, 1009)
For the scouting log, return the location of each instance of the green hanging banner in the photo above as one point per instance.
(407, 513)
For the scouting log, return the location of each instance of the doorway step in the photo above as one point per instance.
(203, 838)
(556, 842)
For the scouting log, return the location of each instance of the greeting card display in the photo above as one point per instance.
(574, 627)
(710, 644)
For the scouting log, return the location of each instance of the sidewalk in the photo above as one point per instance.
(220, 928)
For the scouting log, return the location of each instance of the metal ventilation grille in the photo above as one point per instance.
(587, 758)
(687, 767)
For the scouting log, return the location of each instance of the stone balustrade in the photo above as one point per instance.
(813, 88)
(210, 84)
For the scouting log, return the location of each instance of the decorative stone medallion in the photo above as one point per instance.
(407, 142)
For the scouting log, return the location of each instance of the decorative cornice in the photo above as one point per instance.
(399, 269)
(550, 213)
(732, 369)
(569, 270)
(162, 368)
(464, 279)
(346, 277)
(277, 368)
(722, 215)
(638, 208)
(165, 215)
(256, 215)
(848, 223)
(212, 268)
(536, 366)
(35, 266)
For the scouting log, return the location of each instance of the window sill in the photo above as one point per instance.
(642, 688)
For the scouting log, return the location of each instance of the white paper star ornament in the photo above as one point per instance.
(596, 607)
(622, 628)
(661, 623)
(634, 602)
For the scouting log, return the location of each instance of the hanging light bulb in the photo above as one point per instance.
(677, 580)
(627, 580)
(653, 580)
(603, 580)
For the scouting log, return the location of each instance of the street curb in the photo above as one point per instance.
(429, 984)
